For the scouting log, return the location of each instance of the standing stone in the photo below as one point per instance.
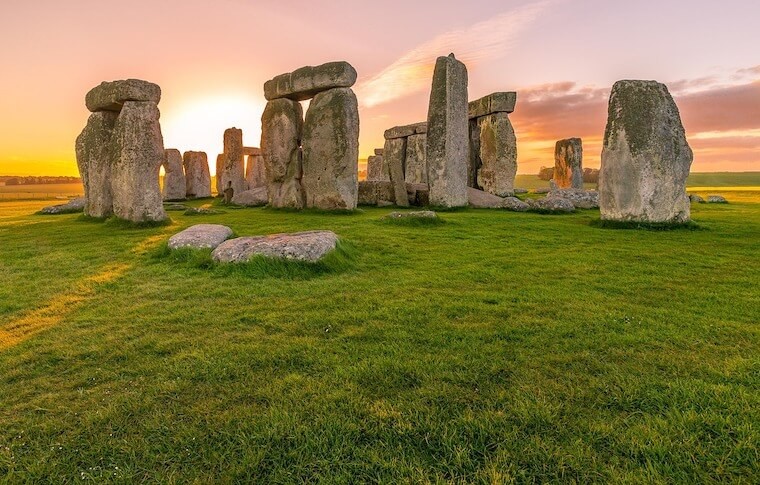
(255, 172)
(645, 156)
(394, 157)
(139, 146)
(416, 162)
(197, 175)
(233, 169)
(175, 187)
(375, 172)
(331, 150)
(568, 164)
(281, 127)
(218, 177)
(447, 137)
(497, 155)
(95, 157)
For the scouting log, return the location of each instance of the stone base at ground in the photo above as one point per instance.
(252, 198)
(581, 199)
(551, 205)
(72, 206)
(483, 200)
(412, 215)
(301, 246)
(200, 236)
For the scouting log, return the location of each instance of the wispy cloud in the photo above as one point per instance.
(480, 42)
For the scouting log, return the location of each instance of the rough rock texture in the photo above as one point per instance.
(139, 148)
(248, 151)
(175, 187)
(484, 200)
(281, 128)
(496, 155)
(197, 175)
(696, 199)
(568, 163)
(413, 215)
(255, 172)
(581, 199)
(551, 205)
(394, 158)
(716, 199)
(95, 157)
(218, 177)
(375, 169)
(306, 82)
(72, 206)
(448, 137)
(372, 192)
(645, 156)
(515, 204)
(251, 198)
(200, 236)
(419, 194)
(416, 162)
(111, 96)
(520, 190)
(302, 246)
(503, 102)
(379, 152)
(331, 150)
(233, 169)
(405, 130)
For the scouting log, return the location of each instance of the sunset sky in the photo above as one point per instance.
(211, 59)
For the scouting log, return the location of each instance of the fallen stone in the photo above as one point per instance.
(484, 200)
(175, 207)
(645, 156)
(306, 82)
(515, 204)
(551, 205)
(203, 211)
(412, 215)
(72, 206)
(405, 130)
(95, 158)
(252, 198)
(503, 102)
(581, 199)
(197, 175)
(281, 128)
(111, 96)
(568, 163)
(497, 155)
(301, 246)
(395, 155)
(175, 187)
(696, 199)
(448, 134)
(716, 199)
(331, 150)
(138, 154)
(200, 236)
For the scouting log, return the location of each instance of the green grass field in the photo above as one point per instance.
(496, 347)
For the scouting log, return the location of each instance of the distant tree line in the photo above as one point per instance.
(40, 180)
(590, 175)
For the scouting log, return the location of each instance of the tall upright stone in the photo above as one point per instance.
(175, 187)
(394, 155)
(95, 158)
(220, 158)
(255, 172)
(331, 150)
(233, 169)
(568, 164)
(497, 153)
(197, 175)
(645, 156)
(281, 129)
(416, 161)
(139, 146)
(375, 172)
(447, 136)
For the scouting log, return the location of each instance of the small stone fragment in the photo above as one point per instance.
(200, 236)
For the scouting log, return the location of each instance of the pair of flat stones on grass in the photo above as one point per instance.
(301, 246)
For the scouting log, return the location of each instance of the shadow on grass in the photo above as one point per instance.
(340, 260)
(646, 226)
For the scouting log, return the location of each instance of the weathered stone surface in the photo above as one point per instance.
(249, 151)
(484, 200)
(541, 190)
(175, 187)
(515, 204)
(497, 155)
(281, 128)
(197, 175)
(520, 190)
(405, 130)
(448, 137)
(255, 172)
(371, 192)
(376, 169)
(233, 169)
(200, 236)
(218, 177)
(581, 199)
(72, 206)
(645, 156)
(252, 198)
(419, 194)
(111, 96)
(306, 82)
(379, 152)
(503, 102)
(412, 215)
(394, 158)
(551, 205)
(139, 153)
(716, 199)
(568, 163)
(696, 199)
(416, 161)
(95, 158)
(331, 150)
(302, 246)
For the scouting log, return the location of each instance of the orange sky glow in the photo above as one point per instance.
(211, 60)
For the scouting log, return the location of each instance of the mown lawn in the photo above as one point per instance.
(495, 347)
